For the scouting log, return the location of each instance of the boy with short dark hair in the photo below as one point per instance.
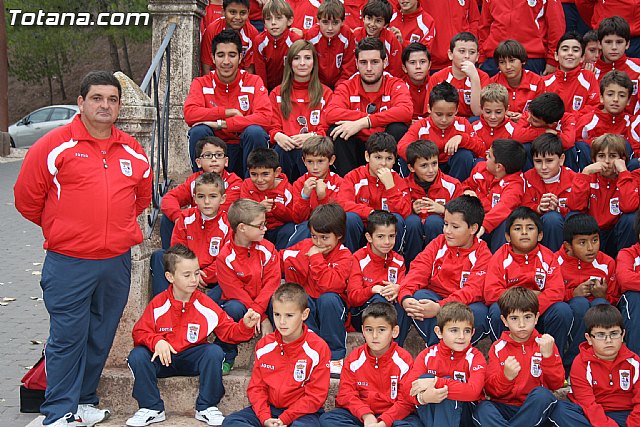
(372, 387)
(548, 186)
(416, 62)
(523, 261)
(414, 24)
(494, 121)
(290, 379)
(500, 186)
(322, 265)
(268, 186)
(430, 190)
(591, 50)
(374, 186)
(524, 366)
(589, 275)
(447, 378)
(628, 277)
(452, 134)
(170, 338)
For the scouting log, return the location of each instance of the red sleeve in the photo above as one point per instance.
(497, 385)
(346, 198)
(348, 396)
(194, 106)
(530, 194)
(232, 192)
(634, 417)
(258, 392)
(553, 370)
(282, 211)
(420, 273)
(578, 199)
(229, 330)
(339, 108)
(358, 291)
(471, 141)
(260, 111)
(628, 192)
(179, 234)
(409, 137)
(175, 199)
(585, 9)
(556, 26)
(472, 390)
(277, 118)
(144, 188)
(483, 29)
(474, 287)
(333, 277)
(474, 17)
(567, 132)
(300, 208)
(583, 395)
(495, 284)
(510, 199)
(260, 69)
(144, 331)
(348, 66)
(626, 274)
(33, 183)
(271, 276)
(554, 286)
(402, 109)
(398, 198)
(228, 282)
(415, 372)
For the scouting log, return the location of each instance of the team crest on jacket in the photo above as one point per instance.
(577, 102)
(536, 360)
(460, 376)
(614, 206)
(463, 278)
(314, 117)
(414, 38)
(392, 275)
(125, 167)
(532, 3)
(300, 371)
(308, 22)
(461, 2)
(467, 97)
(214, 246)
(244, 102)
(625, 379)
(338, 60)
(394, 387)
(193, 330)
(635, 87)
(540, 278)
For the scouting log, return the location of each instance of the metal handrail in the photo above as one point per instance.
(159, 151)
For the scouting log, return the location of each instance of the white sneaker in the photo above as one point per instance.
(144, 417)
(66, 421)
(335, 368)
(212, 416)
(89, 415)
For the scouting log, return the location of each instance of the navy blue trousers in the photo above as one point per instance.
(579, 306)
(629, 306)
(419, 234)
(568, 414)
(341, 417)
(326, 318)
(448, 413)
(247, 418)
(535, 411)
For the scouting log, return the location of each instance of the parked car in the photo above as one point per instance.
(37, 123)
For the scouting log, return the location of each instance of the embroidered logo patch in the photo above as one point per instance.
(125, 167)
(193, 330)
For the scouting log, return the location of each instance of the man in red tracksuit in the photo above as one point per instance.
(368, 102)
(232, 104)
(414, 24)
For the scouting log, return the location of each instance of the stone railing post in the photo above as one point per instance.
(185, 65)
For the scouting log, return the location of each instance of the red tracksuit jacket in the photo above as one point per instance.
(305, 13)
(182, 195)
(531, 86)
(451, 17)
(539, 24)
(376, 385)
(536, 187)
(463, 86)
(575, 272)
(594, 11)
(186, 324)
(204, 237)
(419, 98)
(369, 270)
(465, 370)
(538, 270)
(427, 130)
(598, 385)
(578, 88)
(247, 33)
(604, 198)
(536, 371)
(499, 197)
(352, 12)
(209, 98)
(211, 13)
(391, 45)
(418, 26)
(362, 192)
(314, 117)
(85, 202)
(454, 273)
(269, 55)
(336, 57)
(633, 136)
(250, 275)
(301, 208)
(317, 273)
(486, 134)
(631, 66)
(443, 189)
(392, 101)
(566, 129)
(280, 213)
(291, 375)
(627, 268)
(597, 122)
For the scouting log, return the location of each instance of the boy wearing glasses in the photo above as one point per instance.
(248, 269)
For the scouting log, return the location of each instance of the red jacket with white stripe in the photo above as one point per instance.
(269, 55)
(301, 208)
(486, 134)
(443, 189)
(499, 197)
(566, 129)
(186, 324)
(427, 130)
(291, 375)
(369, 270)
(250, 275)
(575, 272)
(392, 101)
(628, 268)
(317, 273)
(247, 33)
(362, 192)
(451, 17)
(595, 123)
(560, 186)
(633, 135)
(205, 237)
(454, 273)
(594, 11)
(600, 386)
(209, 98)
(535, 370)
(182, 195)
(86, 202)
(531, 86)
(391, 44)
(538, 270)
(417, 26)
(376, 385)
(463, 372)
(305, 13)
(578, 88)
(336, 55)
(463, 86)
(539, 24)
(631, 66)
(605, 199)
(300, 107)
(280, 213)
(419, 98)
